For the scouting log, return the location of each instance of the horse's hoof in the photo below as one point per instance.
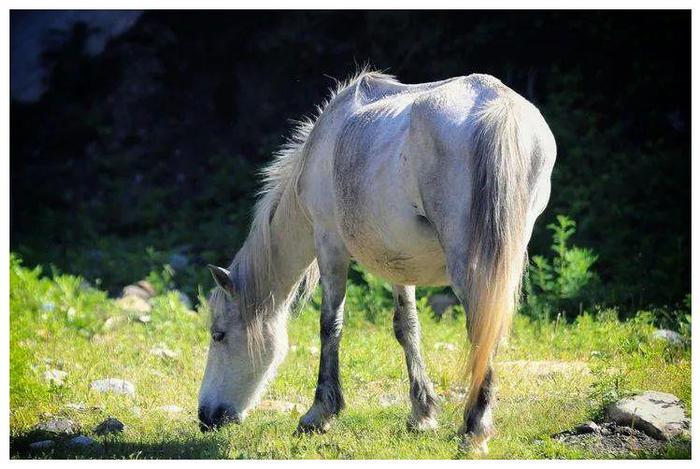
(422, 424)
(475, 444)
(308, 424)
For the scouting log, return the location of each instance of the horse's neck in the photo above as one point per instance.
(292, 248)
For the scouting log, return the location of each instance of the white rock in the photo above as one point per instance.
(42, 445)
(115, 385)
(55, 377)
(144, 318)
(658, 414)
(672, 337)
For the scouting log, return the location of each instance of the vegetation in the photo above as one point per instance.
(60, 322)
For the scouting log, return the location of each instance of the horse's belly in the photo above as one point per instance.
(413, 257)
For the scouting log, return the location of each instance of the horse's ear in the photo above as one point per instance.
(222, 277)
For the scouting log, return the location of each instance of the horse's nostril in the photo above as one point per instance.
(221, 415)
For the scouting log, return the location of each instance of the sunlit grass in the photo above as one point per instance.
(60, 323)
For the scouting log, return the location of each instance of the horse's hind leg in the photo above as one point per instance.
(333, 262)
(407, 330)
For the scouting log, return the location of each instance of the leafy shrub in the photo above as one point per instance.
(554, 285)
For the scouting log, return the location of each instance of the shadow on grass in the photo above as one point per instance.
(212, 446)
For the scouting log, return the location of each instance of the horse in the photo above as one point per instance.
(429, 184)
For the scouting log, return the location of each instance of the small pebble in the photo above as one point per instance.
(144, 318)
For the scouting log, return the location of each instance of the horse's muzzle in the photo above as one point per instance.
(211, 418)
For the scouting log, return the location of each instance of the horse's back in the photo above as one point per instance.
(393, 149)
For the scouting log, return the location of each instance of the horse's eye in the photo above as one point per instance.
(218, 336)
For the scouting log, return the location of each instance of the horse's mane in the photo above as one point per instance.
(252, 269)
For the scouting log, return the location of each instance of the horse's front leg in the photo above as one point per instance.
(333, 262)
(407, 331)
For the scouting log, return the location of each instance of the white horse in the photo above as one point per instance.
(429, 184)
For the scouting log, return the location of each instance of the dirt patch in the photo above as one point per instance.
(610, 439)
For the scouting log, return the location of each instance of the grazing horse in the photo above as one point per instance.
(427, 184)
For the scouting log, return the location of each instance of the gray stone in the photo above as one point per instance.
(42, 445)
(82, 441)
(588, 427)
(441, 301)
(134, 304)
(115, 385)
(147, 286)
(135, 290)
(658, 414)
(672, 337)
(611, 439)
(109, 425)
(58, 426)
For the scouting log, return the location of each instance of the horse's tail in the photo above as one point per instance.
(496, 252)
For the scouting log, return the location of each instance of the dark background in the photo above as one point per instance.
(146, 153)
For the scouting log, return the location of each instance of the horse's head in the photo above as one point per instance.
(243, 356)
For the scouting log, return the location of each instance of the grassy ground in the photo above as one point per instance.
(62, 324)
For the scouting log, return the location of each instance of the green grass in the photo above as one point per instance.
(72, 336)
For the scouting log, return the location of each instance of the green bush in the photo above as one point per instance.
(554, 285)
